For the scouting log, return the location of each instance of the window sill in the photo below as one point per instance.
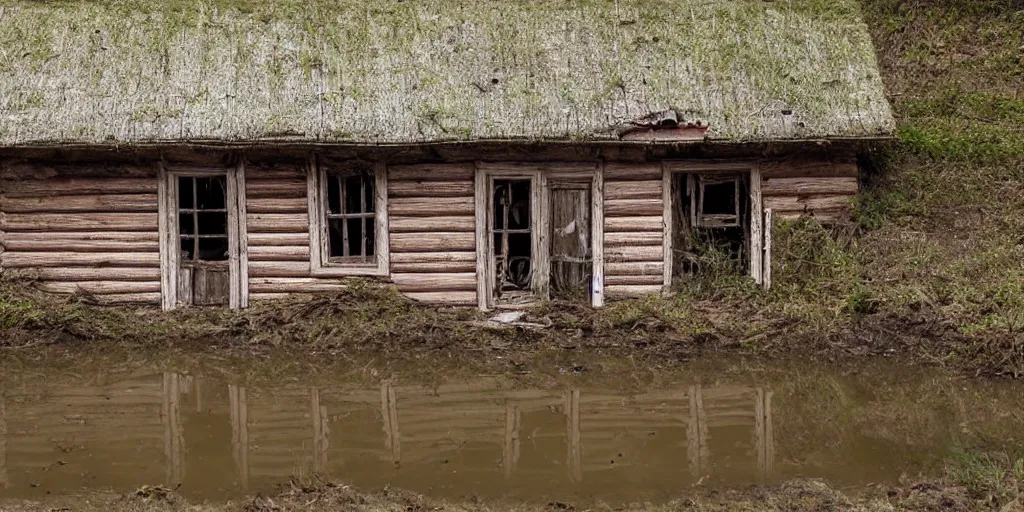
(346, 270)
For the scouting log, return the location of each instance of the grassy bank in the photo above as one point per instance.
(931, 266)
(973, 481)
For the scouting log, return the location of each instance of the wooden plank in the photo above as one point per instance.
(756, 220)
(625, 171)
(616, 190)
(278, 239)
(633, 238)
(277, 222)
(634, 268)
(82, 236)
(256, 188)
(78, 186)
(430, 206)
(805, 168)
(382, 247)
(463, 298)
(432, 267)
(66, 259)
(241, 236)
(276, 205)
(626, 224)
(582, 169)
(279, 253)
(430, 224)
(96, 274)
(788, 204)
(669, 224)
(434, 257)
(633, 207)
(421, 282)
(167, 233)
(641, 253)
(99, 287)
(597, 198)
(633, 290)
(279, 269)
(766, 272)
(431, 172)
(617, 280)
(808, 186)
(82, 203)
(79, 222)
(294, 285)
(481, 195)
(432, 242)
(65, 245)
(463, 188)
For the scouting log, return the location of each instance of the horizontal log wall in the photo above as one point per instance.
(85, 228)
(433, 243)
(819, 188)
(277, 224)
(633, 229)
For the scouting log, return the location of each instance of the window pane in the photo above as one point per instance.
(185, 192)
(213, 249)
(368, 180)
(353, 204)
(211, 192)
(333, 194)
(335, 238)
(355, 237)
(720, 198)
(185, 226)
(213, 223)
(187, 246)
(371, 237)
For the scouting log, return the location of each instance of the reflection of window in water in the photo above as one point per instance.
(512, 236)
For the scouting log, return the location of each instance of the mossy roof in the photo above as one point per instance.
(412, 71)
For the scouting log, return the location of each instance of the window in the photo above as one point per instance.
(203, 218)
(348, 219)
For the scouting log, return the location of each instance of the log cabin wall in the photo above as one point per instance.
(820, 188)
(633, 229)
(83, 228)
(433, 238)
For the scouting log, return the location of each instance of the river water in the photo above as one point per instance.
(613, 438)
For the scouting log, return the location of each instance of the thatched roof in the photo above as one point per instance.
(393, 71)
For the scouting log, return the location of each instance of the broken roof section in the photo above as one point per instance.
(392, 71)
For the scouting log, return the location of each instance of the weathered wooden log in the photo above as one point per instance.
(433, 267)
(430, 206)
(808, 186)
(624, 171)
(430, 224)
(275, 171)
(620, 224)
(615, 280)
(633, 207)
(454, 298)
(79, 222)
(65, 245)
(548, 167)
(47, 171)
(431, 172)
(282, 188)
(637, 253)
(276, 205)
(465, 281)
(294, 285)
(78, 186)
(99, 287)
(786, 204)
(434, 257)
(634, 268)
(279, 253)
(83, 203)
(278, 239)
(631, 290)
(823, 216)
(633, 238)
(277, 222)
(615, 190)
(94, 274)
(75, 236)
(462, 188)
(279, 269)
(66, 259)
(432, 242)
(805, 168)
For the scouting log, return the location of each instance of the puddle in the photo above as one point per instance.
(575, 440)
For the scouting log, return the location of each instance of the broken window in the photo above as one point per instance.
(203, 218)
(512, 236)
(350, 217)
(711, 231)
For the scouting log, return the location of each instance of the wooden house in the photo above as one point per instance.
(479, 153)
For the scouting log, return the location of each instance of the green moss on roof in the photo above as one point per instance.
(429, 70)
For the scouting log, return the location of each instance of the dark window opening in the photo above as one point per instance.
(351, 217)
(203, 218)
(711, 228)
(571, 254)
(512, 236)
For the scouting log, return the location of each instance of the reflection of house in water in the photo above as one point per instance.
(474, 437)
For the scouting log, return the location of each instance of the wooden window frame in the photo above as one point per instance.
(170, 257)
(319, 251)
(672, 167)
